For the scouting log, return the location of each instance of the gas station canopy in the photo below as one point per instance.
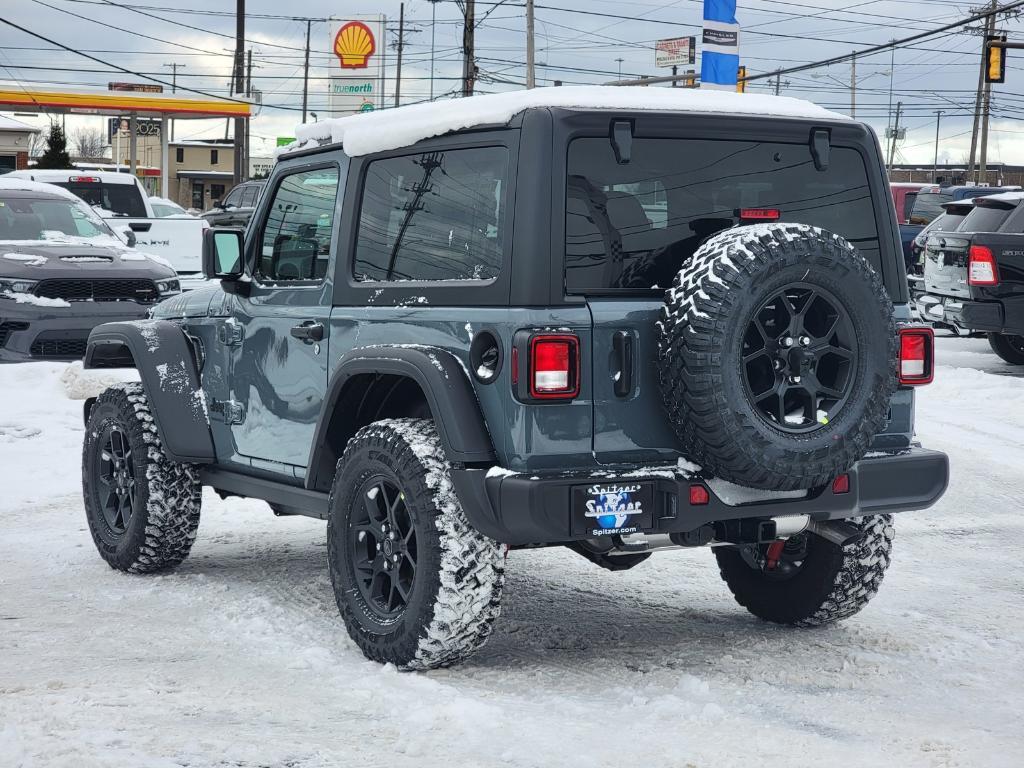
(118, 103)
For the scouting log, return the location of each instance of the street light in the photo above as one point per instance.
(620, 67)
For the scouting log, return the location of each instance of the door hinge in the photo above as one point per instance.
(230, 333)
(233, 412)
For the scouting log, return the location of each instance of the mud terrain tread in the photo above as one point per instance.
(172, 491)
(858, 570)
(704, 297)
(466, 592)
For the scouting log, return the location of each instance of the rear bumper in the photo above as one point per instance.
(31, 332)
(537, 509)
(976, 316)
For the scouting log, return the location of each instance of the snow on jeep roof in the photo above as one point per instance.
(369, 132)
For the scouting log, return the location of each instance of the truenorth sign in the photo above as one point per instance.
(357, 70)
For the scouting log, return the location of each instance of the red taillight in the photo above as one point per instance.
(981, 266)
(759, 214)
(84, 180)
(841, 484)
(917, 355)
(699, 495)
(554, 366)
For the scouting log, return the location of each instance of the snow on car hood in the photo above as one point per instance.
(369, 132)
(71, 256)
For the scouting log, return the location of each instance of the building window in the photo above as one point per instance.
(213, 157)
(179, 155)
(216, 191)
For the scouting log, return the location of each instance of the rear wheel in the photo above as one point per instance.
(1008, 347)
(416, 584)
(809, 581)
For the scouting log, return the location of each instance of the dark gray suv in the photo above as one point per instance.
(63, 272)
(657, 321)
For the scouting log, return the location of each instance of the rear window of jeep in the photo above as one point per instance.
(433, 216)
(631, 226)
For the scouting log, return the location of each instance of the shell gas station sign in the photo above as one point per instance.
(357, 71)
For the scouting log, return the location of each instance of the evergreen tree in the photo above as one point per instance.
(56, 154)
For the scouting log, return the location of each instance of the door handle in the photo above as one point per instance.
(309, 331)
(622, 352)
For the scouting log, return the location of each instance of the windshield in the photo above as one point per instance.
(927, 206)
(43, 219)
(945, 222)
(120, 199)
(163, 210)
(632, 225)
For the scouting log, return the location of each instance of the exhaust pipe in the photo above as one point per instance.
(839, 533)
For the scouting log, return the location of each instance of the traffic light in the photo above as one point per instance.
(995, 59)
(741, 84)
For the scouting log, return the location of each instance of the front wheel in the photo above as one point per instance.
(810, 581)
(1008, 347)
(416, 584)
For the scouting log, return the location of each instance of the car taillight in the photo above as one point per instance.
(699, 495)
(554, 366)
(917, 355)
(759, 214)
(981, 266)
(841, 485)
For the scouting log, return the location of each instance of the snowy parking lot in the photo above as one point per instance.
(239, 658)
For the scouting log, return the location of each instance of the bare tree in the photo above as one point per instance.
(37, 144)
(88, 142)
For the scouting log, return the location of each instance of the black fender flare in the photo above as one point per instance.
(166, 363)
(445, 383)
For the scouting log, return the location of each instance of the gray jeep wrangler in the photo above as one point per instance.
(610, 329)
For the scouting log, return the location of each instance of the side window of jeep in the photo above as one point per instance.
(433, 216)
(296, 238)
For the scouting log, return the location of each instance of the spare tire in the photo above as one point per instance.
(777, 354)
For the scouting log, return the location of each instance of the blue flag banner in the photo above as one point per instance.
(720, 46)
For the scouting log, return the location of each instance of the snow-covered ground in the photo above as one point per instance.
(239, 658)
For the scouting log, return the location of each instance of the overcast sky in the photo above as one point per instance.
(574, 44)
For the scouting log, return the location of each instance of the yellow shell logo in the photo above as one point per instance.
(354, 45)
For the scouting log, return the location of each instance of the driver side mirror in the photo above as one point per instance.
(222, 253)
(129, 236)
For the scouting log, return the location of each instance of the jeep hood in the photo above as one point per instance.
(39, 260)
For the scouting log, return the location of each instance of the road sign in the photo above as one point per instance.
(674, 51)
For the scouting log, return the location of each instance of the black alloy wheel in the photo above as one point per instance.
(115, 475)
(383, 545)
(799, 358)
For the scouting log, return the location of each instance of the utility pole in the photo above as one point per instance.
(620, 67)
(853, 85)
(935, 162)
(468, 49)
(895, 133)
(401, 44)
(892, 74)
(982, 88)
(305, 75)
(990, 28)
(175, 66)
(531, 77)
(239, 89)
(778, 84)
(433, 26)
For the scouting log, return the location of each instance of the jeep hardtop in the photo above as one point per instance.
(616, 320)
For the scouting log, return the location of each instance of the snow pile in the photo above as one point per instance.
(369, 132)
(37, 301)
(80, 383)
(28, 259)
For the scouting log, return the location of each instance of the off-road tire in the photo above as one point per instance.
(1009, 348)
(713, 299)
(833, 583)
(165, 516)
(456, 592)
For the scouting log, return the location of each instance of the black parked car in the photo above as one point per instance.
(63, 272)
(236, 208)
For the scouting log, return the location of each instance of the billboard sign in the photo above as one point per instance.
(674, 52)
(144, 126)
(138, 87)
(357, 71)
